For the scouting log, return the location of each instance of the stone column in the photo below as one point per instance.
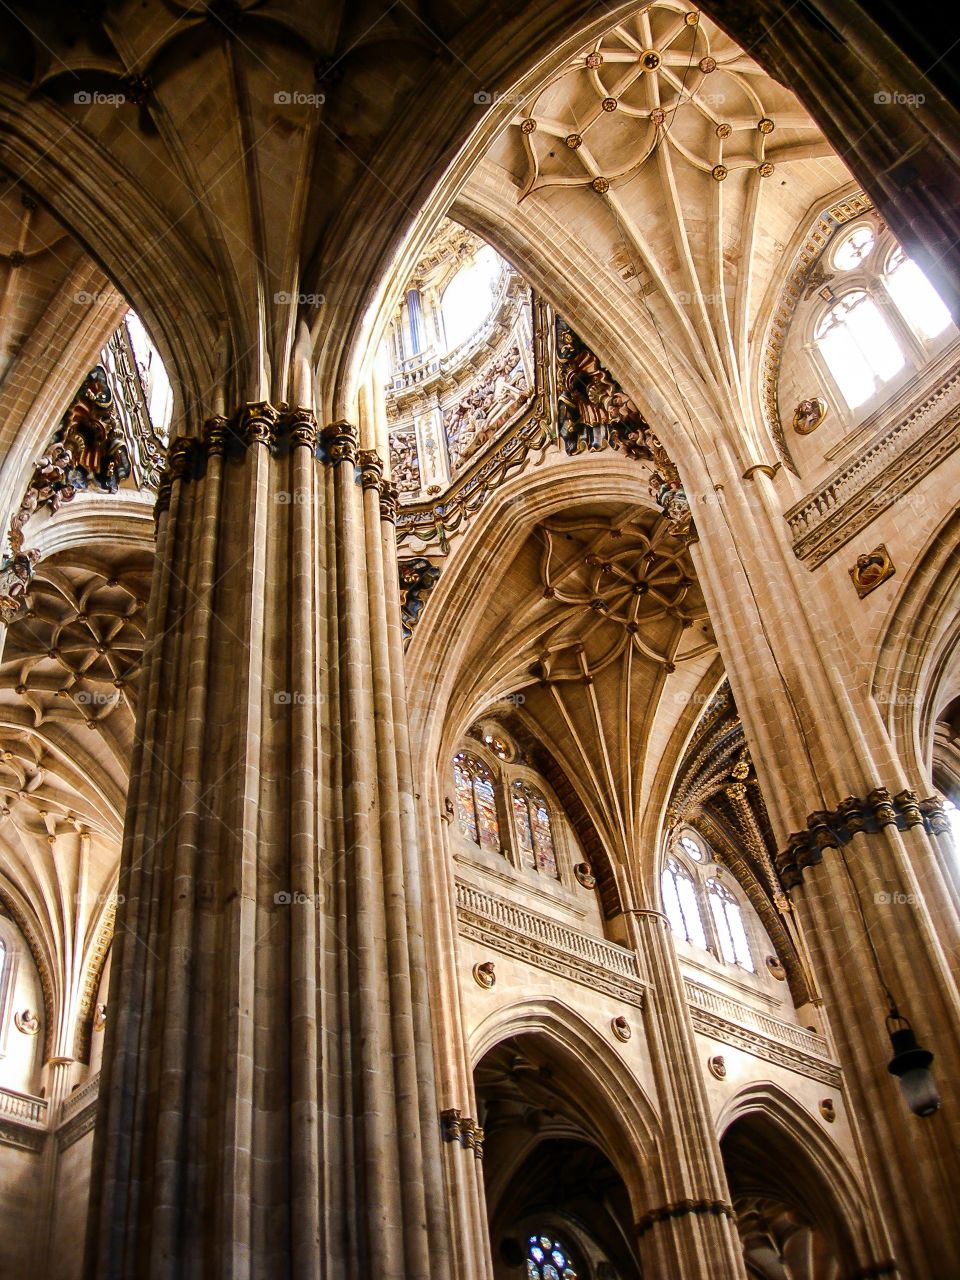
(694, 1234)
(872, 898)
(267, 1101)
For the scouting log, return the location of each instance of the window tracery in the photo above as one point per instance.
(701, 907)
(476, 801)
(534, 832)
(503, 811)
(882, 315)
(728, 922)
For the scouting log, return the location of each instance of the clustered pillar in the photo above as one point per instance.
(268, 1105)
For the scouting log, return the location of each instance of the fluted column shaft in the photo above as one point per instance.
(267, 1105)
(819, 749)
(695, 1233)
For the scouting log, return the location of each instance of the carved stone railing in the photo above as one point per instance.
(737, 1024)
(882, 473)
(23, 1107)
(604, 966)
(80, 1098)
(549, 944)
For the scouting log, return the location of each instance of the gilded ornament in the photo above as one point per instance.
(658, 116)
(609, 104)
(828, 1110)
(724, 130)
(765, 169)
(621, 1028)
(707, 65)
(808, 415)
(484, 974)
(594, 60)
(719, 172)
(650, 60)
(27, 1021)
(871, 569)
(528, 126)
(717, 1066)
(765, 124)
(573, 140)
(691, 19)
(600, 185)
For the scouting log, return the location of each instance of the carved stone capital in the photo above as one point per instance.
(832, 829)
(255, 423)
(371, 469)
(682, 1208)
(340, 441)
(389, 501)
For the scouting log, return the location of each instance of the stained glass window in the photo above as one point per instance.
(476, 801)
(728, 920)
(680, 903)
(548, 1259)
(534, 833)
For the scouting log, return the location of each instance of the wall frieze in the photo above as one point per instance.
(760, 1046)
(549, 945)
(77, 1127)
(889, 465)
(833, 828)
(22, 1136)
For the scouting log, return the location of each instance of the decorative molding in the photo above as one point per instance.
(681, 1209)
(894, 460)
(436, 521)
(78, 1126)
(833, 828)
(594, 413)
(79, 1099)
(418, 577)
(537, 940)
(782, 1043)
(278, 428)
(871, 570)
(22, 1136)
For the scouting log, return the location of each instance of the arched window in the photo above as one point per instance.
(534, 836)
(728, 922)
(468, 298)
(476, 801)
(548, 1259)
(858, 346)
(915, 297)
(680, 904)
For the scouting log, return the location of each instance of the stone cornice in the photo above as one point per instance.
(833, 828)
(884, 470)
